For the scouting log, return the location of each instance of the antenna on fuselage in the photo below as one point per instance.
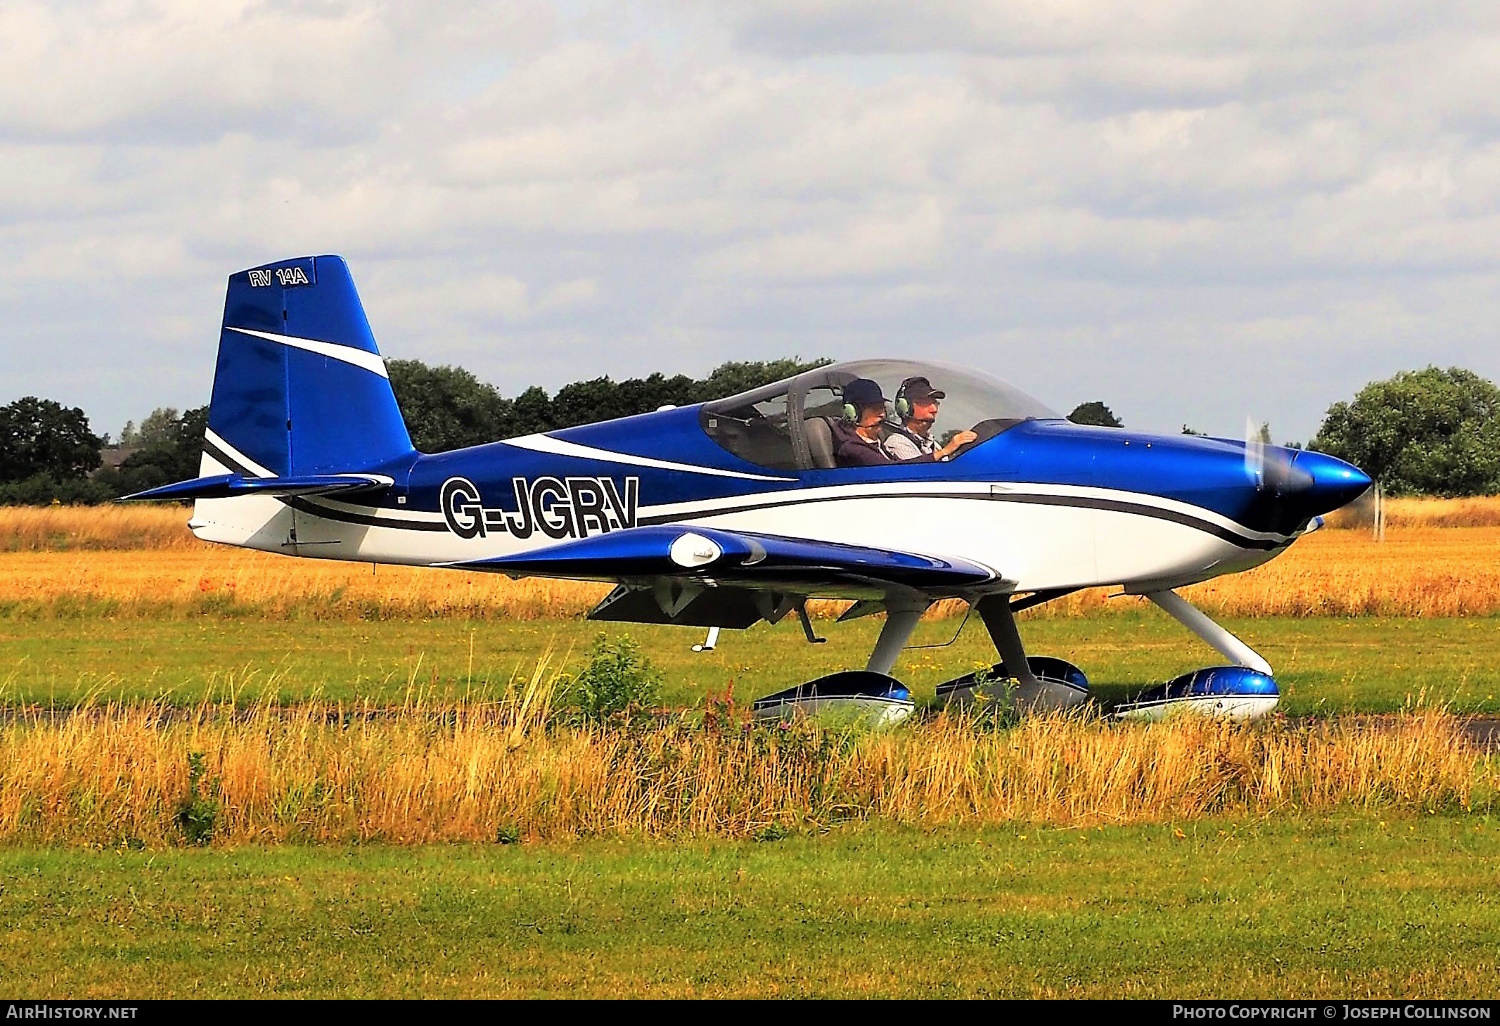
(708, 642)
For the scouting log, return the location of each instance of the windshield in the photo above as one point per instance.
(898, 410)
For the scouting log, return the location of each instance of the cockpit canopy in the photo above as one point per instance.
(788, 425)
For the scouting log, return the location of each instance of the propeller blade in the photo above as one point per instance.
(1255, 453)
(1270, 465)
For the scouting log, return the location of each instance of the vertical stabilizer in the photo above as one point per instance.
(300, 387)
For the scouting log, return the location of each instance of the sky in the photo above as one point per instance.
(1196, 212)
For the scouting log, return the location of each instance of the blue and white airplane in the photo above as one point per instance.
(731, 512)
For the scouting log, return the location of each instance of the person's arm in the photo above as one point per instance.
(956, 443)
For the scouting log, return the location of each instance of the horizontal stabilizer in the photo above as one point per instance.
(227, 486)
(731, 556)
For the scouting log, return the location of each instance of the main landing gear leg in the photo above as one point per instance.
(1032, 693)
(900, 621)
(1193, 619)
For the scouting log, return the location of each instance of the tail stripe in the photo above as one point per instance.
(371, 362)
(231, 458)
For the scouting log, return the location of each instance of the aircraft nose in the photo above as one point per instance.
(1330, 483)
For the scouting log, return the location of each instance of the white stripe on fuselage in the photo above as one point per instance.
(1033, 545)
(997, 491)
(561, 447)
(813, 499)
(1030, 546)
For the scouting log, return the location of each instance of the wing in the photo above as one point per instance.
(735, 557)
(707, 577)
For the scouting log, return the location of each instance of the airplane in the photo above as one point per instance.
(740, 510)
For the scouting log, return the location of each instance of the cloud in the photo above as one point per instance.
(1191, 210)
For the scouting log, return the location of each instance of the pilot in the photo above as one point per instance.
(917, 406)
(856, 438)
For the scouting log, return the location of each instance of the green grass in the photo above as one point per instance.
(1354, 907)
(1323, 664)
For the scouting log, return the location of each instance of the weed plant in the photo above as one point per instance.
(618, 686)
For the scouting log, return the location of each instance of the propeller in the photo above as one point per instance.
(1271, 466)
(1255, 453)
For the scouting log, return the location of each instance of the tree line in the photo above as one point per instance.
(48, 452)
(1427, 432)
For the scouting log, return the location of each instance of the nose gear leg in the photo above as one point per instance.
(900, 621)
(1222, 641)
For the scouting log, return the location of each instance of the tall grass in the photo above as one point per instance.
(95, 528)
(491, 769)
(1482, 511)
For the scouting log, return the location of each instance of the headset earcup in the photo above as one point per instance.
(903, 407)
(850, 413)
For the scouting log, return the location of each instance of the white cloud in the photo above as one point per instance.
(1185, 208)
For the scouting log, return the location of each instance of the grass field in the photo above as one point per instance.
(367, 751)
(1349, 906)
(1324, 664)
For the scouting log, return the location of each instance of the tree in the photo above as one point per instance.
(1426, 432)
(585, 401)
(1095, 414)
(159, 428)
(41, 437)
(171, 450)
(532, 413)
(734, 377)
(447, 407)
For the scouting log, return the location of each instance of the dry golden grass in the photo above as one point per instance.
(466, 772)
(94, 528)
(470, 770)
(219, 579)
(1478, 512)
(1416, 571)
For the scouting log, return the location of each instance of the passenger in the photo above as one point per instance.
(917, 406)
(856, 438)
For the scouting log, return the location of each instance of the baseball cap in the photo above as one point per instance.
(919, 388)
(863, 392)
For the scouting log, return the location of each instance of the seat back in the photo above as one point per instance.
(819, 442)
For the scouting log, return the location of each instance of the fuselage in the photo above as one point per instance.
(1045, 504)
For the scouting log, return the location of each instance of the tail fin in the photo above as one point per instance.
(300, 388)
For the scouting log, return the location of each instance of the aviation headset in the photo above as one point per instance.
(851, 410)
(903, 401)
(902, 404)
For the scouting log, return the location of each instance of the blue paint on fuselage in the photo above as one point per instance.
(1208, 473)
